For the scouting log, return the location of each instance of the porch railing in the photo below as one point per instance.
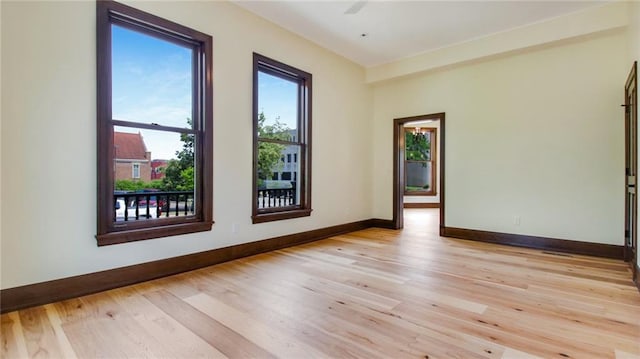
(276, 197)
(148, 205)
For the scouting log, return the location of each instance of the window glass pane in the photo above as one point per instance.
(277, 108)
(151, 79)
(164, 165)
(280, 188)
(419, 175)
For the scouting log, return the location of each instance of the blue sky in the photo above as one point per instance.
(277, 98)
(152, 84)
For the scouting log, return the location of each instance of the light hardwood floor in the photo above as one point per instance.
(370, 294)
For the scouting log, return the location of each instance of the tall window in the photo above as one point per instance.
(281, 126)
(420, 164)
(155, 104)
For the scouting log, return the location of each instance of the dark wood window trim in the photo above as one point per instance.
(434, 164)
(108, 231)
(303, 140)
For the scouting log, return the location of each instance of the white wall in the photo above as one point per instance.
(49, 127)
(537, 134)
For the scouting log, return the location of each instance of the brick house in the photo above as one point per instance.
(156, 169)
(132, 160)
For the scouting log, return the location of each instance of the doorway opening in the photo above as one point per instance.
(631, 164)
(418, 164)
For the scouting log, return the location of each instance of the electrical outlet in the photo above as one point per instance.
(234, 227)
(516, 220)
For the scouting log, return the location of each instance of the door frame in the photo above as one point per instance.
(398, 166)
(631, 114)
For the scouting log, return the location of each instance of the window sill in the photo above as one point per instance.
(277, 216)
(150, 233)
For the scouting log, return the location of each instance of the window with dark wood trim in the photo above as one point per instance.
(420, 161)
(281, 126)
(131, 209)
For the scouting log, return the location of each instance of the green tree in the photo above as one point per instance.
(417, 147)
(179, 173)
(269, 153)
(132, 185)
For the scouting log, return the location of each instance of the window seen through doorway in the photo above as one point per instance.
(420, 165)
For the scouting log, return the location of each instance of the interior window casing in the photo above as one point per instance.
(300, 139)
(109, 231)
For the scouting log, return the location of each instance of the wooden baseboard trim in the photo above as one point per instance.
(72, 287)
(382, 223)
(421, 205)
(549, 244)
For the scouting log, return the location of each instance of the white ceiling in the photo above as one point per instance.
(399, 29)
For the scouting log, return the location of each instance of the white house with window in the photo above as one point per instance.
(289, 167)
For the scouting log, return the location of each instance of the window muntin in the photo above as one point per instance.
(282, 135)
(154, 104)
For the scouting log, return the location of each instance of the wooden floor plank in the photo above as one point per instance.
(40, 336)
(374, 293)
(13, 344)
(63, 342)
(99, 327)
(620, 354)
(251, 328)
(174, 339)
(278, 309)
(224, 339)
